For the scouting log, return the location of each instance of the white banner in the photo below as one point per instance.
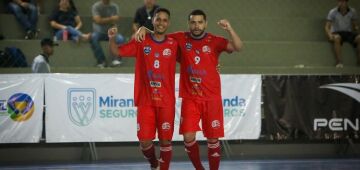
(100, 108)
(21, 108)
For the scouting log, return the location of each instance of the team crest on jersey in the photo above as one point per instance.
(167, 52)
(147, 50)
(157, 54)
(206, 49)
(166, 126)
(215, 124)
(188, 46)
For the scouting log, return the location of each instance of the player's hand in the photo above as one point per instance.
(112, 32)
(140, 34)
(24, 4)
(218, 67)
(224, 24)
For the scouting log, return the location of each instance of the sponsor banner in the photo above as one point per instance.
(21, 108)
(312, 107)
(90, 108)
(100, 108)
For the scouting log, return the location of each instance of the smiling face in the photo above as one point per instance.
(161, 22)
(197, 25)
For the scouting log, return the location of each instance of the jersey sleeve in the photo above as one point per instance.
(221, 44)
(331, 16)
(129, 49)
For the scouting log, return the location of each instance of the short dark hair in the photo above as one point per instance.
(197, 12)
(162, 10)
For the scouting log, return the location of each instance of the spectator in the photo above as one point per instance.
(41, 62)
(105, 15)
(143, 15)
(65, 20)
(26, 13)
(341, 27)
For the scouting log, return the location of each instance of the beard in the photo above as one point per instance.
(197, 33)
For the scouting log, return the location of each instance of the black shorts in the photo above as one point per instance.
(347, 37)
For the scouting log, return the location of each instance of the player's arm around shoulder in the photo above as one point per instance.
(235, 43)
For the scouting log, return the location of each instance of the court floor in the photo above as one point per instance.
(326, 164)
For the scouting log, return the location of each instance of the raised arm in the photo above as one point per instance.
(235, 43)
(141, 34)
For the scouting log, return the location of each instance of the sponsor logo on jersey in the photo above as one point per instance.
(147, 50)
(167, 52)
(206, 49)
(155, 84)
(195, 79)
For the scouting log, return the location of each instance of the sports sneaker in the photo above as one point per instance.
(339, 65)
(116, 63)
(29, 35)
(101, 65)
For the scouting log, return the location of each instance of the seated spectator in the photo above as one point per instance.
(65, 20)
(26, 13)
(341, 27)
(41, 62)
(105, 15)
(143, 16)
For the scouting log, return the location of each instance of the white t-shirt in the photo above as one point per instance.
(40, 65)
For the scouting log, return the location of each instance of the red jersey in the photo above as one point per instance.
(154, 70)
(199, 78)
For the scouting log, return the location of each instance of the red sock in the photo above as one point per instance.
(149, 154)
(192, 149)
(165, 156)
(214, 155)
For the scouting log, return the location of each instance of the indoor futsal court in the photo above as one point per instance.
(325, 164)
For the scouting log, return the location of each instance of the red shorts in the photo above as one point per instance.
(210, 113)
(150, 119)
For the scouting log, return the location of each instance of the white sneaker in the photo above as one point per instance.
(116, 63)
(101, 65)
(340, 65)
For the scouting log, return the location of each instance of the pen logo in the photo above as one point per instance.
(81, 105)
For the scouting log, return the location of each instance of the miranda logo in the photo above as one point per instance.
(350, 89)
(81, 106)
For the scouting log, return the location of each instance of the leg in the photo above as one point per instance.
(95, 46)
(59, 34)
(33, 16)
(146, 133)
(190, 116)
(337, 48)
(165, 125)
(20, 16)
(213, 128)
(214, 153)
(357, 40)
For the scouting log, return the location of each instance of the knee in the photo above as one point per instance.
(337, 38)
(120, 39)
(14, 8)
(145, 144)
(165, 142)
(357, 39)
(189, 137)
(32, 7)
(212, 140)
